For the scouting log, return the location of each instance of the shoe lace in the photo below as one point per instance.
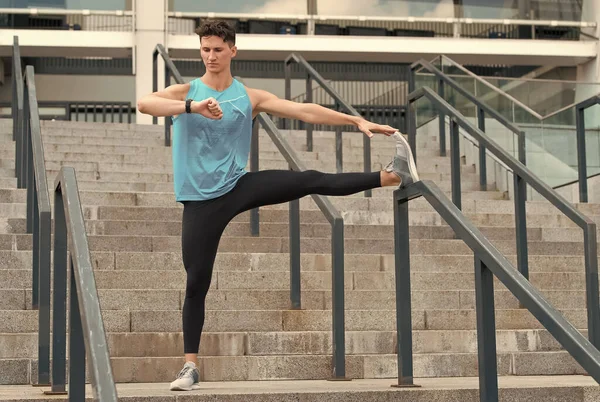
(183, 372)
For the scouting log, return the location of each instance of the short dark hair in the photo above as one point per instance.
(219, 28)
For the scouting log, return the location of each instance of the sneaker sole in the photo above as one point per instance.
(192, 388)
(411, 160)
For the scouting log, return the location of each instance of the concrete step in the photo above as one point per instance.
(311, 280)
(159, 311)
(173, 228)
(310, 245)
(258, 368)
(267, 262)
(570, 388)
(170, 344)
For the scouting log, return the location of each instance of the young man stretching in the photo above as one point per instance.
(211, 143)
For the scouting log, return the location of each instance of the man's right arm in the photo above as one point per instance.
(168, 102)
(171, 102)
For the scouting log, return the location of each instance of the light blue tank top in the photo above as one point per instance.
(210, 156)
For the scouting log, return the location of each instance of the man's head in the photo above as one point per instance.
(217, 45)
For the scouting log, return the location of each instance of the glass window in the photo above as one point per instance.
(240, 6)
(395, 8)
(69, 4)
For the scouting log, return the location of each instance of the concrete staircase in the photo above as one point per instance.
(134, 224)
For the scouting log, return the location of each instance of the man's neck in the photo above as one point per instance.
(218, 82)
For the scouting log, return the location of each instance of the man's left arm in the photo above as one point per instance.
(263, 101)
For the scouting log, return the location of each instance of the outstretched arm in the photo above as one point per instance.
(263, 101)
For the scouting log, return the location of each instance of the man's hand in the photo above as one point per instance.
(208, 108)
(370, 128)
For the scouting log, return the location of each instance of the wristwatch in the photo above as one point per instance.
(188, 105)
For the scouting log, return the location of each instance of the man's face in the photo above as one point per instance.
(216, 53)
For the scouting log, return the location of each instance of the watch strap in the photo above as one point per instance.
(188, 105)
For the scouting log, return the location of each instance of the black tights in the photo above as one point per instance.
(205, 221)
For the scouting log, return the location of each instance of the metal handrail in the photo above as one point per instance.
(30, 170)
(499, 91)
(489, 262)
(319, 17)
(170, 70)
(331, 213)
(581, 147)
(87, 335)
(491, 86)
(62, 11)
(522, 177)
(312, 74)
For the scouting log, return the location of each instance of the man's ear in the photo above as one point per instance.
(233, 51)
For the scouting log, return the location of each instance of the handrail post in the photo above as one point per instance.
(486, 332)
(295, 289)
(309, 99)
(591, 283)
(411, 119)
(581, 154)
(155, 78)
(45, 223)
(521, 212)
(403, 293)
(28, 161)
(455, 163)
(367, 160)
(167, 118)
(482, 152)
(339, 145)
(59, 336)
(288, 93)
(442, 120)
(76, 342)
(338, 309)
(254, 160)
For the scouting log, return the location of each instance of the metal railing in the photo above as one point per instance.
(30, 170)
(170, 70)
(185, 23)
(581, 147)
(488, 262)
(331, 213)
(69, 229)
(92, 111)
(70, 19)
(87, 335)
(522, 177)
(341, 105)
(337, 241)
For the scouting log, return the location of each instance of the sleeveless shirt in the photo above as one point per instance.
(210, 156)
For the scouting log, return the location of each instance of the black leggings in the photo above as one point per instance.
(204, 223)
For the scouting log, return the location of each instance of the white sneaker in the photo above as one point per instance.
(403, 164)
(187, 379)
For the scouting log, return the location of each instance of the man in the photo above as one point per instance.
(211, 143)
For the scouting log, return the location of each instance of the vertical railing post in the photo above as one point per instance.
(60, 295)
(411, 117)
(254, 150)
(288, 92)
(295, 289)
(337, 294)
(76, 343)
(154, 78)
(168, 121)
(581, 154)
(36, 251)
(309, 127)
(455, 164)
(486, 332)
(44, 299)
(339, 145)
(367, 160)
(30, 172)
(482, 152)
(403, 293)
(442, 121)
(591, 283)
(521, 212)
